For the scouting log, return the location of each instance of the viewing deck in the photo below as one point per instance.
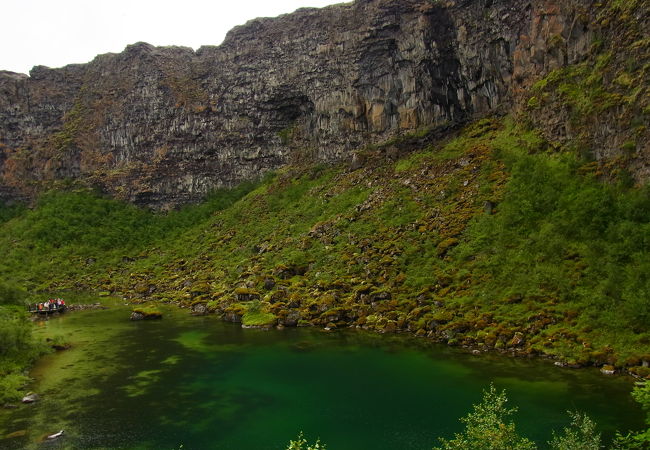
(34, 309)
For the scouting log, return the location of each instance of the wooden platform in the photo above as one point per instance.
(34, 310)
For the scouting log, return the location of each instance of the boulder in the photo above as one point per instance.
(357, 162)
(291, 319)
(146, 313)
(199, 309)
(231, 316)
(517, 339)
(245, 294)
(608, 370)
(269, 284)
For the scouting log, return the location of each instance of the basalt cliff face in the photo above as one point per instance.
(163, 126)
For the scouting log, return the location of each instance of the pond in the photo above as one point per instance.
(203, 383)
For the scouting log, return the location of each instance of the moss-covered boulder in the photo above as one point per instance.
(244, 294)
(234, 313)
(289, 318)
(444, 246)
(259, 319)
(200, 288)
(146, 313)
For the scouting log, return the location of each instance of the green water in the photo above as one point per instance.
(206, 384)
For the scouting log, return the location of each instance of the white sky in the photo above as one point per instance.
(58, 32)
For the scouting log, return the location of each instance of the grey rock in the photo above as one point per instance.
(232, 317)
(291, 320)
(199, 309)
(163, 126)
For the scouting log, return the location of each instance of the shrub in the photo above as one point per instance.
(639, 440)
(580, 435)
(301, 444)
(488, 427)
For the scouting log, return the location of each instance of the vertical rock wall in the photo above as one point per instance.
(162, 126)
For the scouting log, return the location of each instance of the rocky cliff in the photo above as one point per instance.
(163, 126)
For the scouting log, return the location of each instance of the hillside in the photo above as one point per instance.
(472, 172)
(491, 239)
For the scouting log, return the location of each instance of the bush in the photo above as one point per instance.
(15, 332)
(640, 440)
(10, 386)
(301, 444)
(488, 427)
(17, 351)
(11, 294)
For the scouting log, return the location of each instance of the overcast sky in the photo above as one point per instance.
(58, 32)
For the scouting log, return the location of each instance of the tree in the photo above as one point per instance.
(488, 427)
(302, 444)
(580, 435)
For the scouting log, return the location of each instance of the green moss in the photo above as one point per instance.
(534, 102)
(445, 245)
(149, 312)
(259, 319)
(286, 134)
(237, 308)
(75, 122)
(246, 291)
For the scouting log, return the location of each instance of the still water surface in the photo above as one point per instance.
(207, 384)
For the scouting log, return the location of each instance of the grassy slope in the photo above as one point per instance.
(559, 267)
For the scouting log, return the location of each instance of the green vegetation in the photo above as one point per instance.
(488, 427)
(580, 435)
(608, 89)
(640, 440)
(255, 316)
(561, 241)
(301, 444)
(17, 347)
(494, 240)
(8, 212)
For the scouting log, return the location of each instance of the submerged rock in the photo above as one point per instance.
(16, 434)
(56, 435)
(83, 307)
(31, 397)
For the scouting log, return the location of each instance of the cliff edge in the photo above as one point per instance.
(161, 127)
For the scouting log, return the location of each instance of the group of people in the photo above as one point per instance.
(51, 304)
